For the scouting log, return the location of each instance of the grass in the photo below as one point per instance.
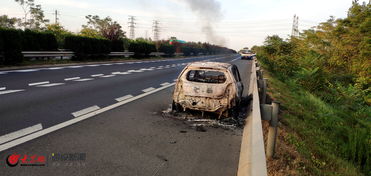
(324, 134)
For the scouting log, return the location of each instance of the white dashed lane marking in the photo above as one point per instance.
(10, 91)
(70, 79)
(86, 79)
(43, 132)
(148, 89)
(20, 133)
(50, 85)
(2, 88)
(165, 84)
(124, 98)
(85, 111)
(107, 76)
(38, 83)
(96, 75)
(92, 65)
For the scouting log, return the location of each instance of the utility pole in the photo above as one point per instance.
(131, 27)
(56, 16)
(295, 27)
(156, 30)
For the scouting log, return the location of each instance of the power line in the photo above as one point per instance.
(131, 27)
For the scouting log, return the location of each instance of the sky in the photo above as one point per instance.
(236, 23)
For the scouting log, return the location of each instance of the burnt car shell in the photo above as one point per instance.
(208, 86)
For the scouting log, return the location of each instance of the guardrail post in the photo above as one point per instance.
(272, 131)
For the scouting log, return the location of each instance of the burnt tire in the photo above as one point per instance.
(175, 107)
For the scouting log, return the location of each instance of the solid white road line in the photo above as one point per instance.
(70, 79)
(38, 83)
(85, 111)
(2, 88)
(27, 70)
(96, 75)
(55, 68)
(116, 73)
(124, 98)
(20, 133)
(86, 79)
(75, 66)
(107, 76)
(148, 89)
(165, 84)
(50, 85)
(10, 91)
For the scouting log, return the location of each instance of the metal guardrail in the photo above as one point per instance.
(252, 155)
(47, 54)
(126, 54)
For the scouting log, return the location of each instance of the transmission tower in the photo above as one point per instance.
(131, 27)
(56, 16)
(295, 27)
(156, 30)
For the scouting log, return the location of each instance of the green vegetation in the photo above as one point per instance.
(86, 47)
(322, 79)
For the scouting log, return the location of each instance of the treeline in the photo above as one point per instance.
(331, 62)
(13, 41)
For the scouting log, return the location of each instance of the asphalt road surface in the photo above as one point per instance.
(127, 136)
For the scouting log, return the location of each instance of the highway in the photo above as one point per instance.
(125, 132)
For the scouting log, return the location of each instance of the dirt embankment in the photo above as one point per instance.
(287, 160)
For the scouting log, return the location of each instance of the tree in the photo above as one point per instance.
(37, 19)
(59, 32)
(106, 27)
(7, 22)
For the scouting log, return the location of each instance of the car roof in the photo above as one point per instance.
(210, 65)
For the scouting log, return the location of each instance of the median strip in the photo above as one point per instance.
(85, 111)
(38, 83)
(124, 98)
(20, 133)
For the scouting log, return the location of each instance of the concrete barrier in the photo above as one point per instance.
(252, 160)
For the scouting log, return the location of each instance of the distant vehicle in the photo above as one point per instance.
(247, 54)
(208, 86)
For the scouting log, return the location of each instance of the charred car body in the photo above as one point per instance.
(208, 86)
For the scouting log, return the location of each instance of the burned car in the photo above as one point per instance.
(208, 87)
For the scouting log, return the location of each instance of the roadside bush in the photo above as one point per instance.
(85, 47)
(10, 47)
(166, 48)
(141, 48)
(117, 45)
(38, 41)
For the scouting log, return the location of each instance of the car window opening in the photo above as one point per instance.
(205, 76)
